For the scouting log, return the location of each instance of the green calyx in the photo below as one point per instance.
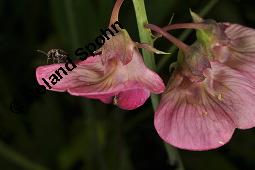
(204, 36)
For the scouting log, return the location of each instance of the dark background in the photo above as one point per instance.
(59, 131)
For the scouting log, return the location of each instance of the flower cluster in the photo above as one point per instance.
(211, 91)
(209, 94)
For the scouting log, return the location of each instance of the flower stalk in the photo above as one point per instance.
(115, 12)
(145, 37)
(175, 41)
(185, 26)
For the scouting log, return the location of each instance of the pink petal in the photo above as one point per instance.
(239, 51)
(202, 116)
(93, 79)
(242, 38)
(237, 93)
(132, 99)
(92, 73)
(144, 77)
(193, 122)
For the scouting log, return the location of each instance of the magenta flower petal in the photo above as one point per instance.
(130, 84)
(72, 80)
(203, 115)
(132, 99)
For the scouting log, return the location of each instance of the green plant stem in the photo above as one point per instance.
(145, 37)
(185, 34)
(18, 159)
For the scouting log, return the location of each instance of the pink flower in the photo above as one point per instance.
(203, 115)
(211, 91)
(117, 75)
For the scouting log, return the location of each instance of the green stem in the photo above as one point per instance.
(145, 37)
(18, 159)
(186, 33)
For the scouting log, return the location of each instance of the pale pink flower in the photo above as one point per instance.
(117, 75)
(203, 115)
(130, 84)
(211, 91)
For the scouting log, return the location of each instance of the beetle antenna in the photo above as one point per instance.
(40, 51)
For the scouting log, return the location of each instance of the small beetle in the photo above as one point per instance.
(56, 55)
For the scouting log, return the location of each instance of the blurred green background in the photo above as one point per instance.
(62, 132)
